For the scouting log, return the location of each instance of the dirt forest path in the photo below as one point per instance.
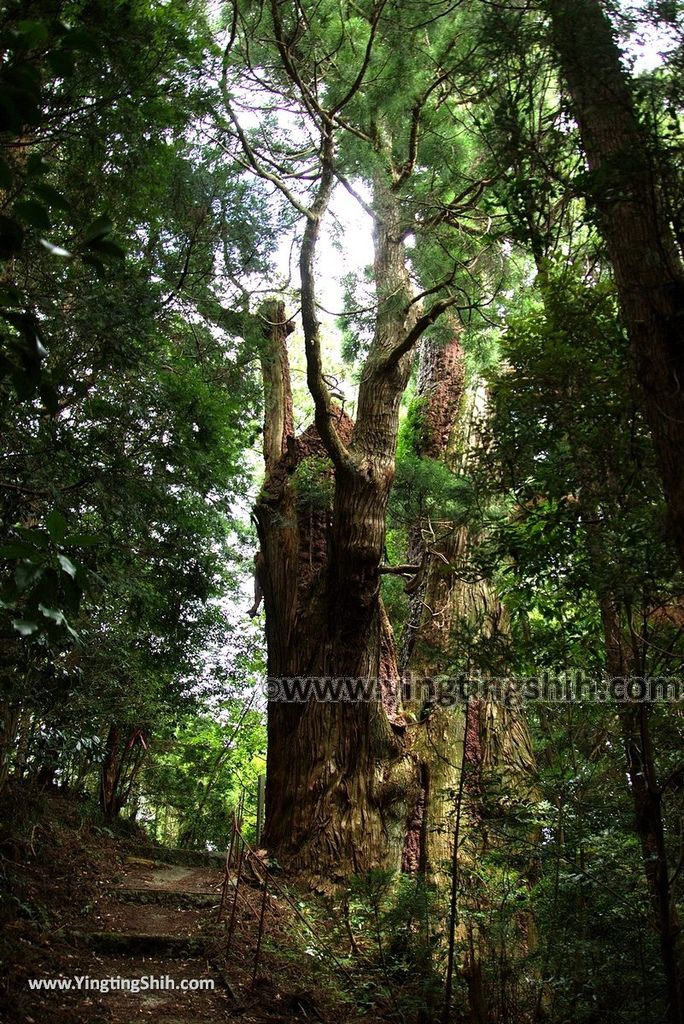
(153, 928)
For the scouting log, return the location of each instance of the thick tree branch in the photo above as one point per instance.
(310, 323)
(464, 202)
(416, 332)
(355, 195)
(416, 113)
(284, 49)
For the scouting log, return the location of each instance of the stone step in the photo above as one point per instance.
(139, 944)
(166, 897)
(169, 855)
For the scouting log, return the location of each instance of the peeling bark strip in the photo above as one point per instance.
(639, 238)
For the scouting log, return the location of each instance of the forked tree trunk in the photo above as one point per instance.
(323, 804)
(328, 797)
(120, 766)
(626, 193)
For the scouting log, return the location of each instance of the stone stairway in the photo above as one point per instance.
(154, 927)
(153, 924)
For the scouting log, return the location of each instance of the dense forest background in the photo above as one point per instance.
(345, 340)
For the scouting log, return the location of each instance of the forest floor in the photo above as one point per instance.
(83, 900)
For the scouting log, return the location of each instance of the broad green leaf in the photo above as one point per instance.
(47, 590)
(107, 248)
(100, 227)
(38, 537)
(52, 613)
(51, 195)
(49, 398)
(61, 63)
(31, 34)
(17, 549)
(26, 574)
(36, 165)
(83, 40)
(81, 540)
(94, 262)
(56, 525)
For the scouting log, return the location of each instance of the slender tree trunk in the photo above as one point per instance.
(639, 238)
(622, 664)
(109, 771)
(647, 800)
(9, 721)
(191, 826)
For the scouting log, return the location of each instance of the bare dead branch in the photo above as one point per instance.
(398, 570)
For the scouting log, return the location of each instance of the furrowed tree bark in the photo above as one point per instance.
(446, 600)
(438, 742)
(640, 241)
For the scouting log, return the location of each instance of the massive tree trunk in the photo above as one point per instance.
(323, 805)
(640, 242)
(449, 600)
(434, 609)
(328, 800)
(483, 738)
